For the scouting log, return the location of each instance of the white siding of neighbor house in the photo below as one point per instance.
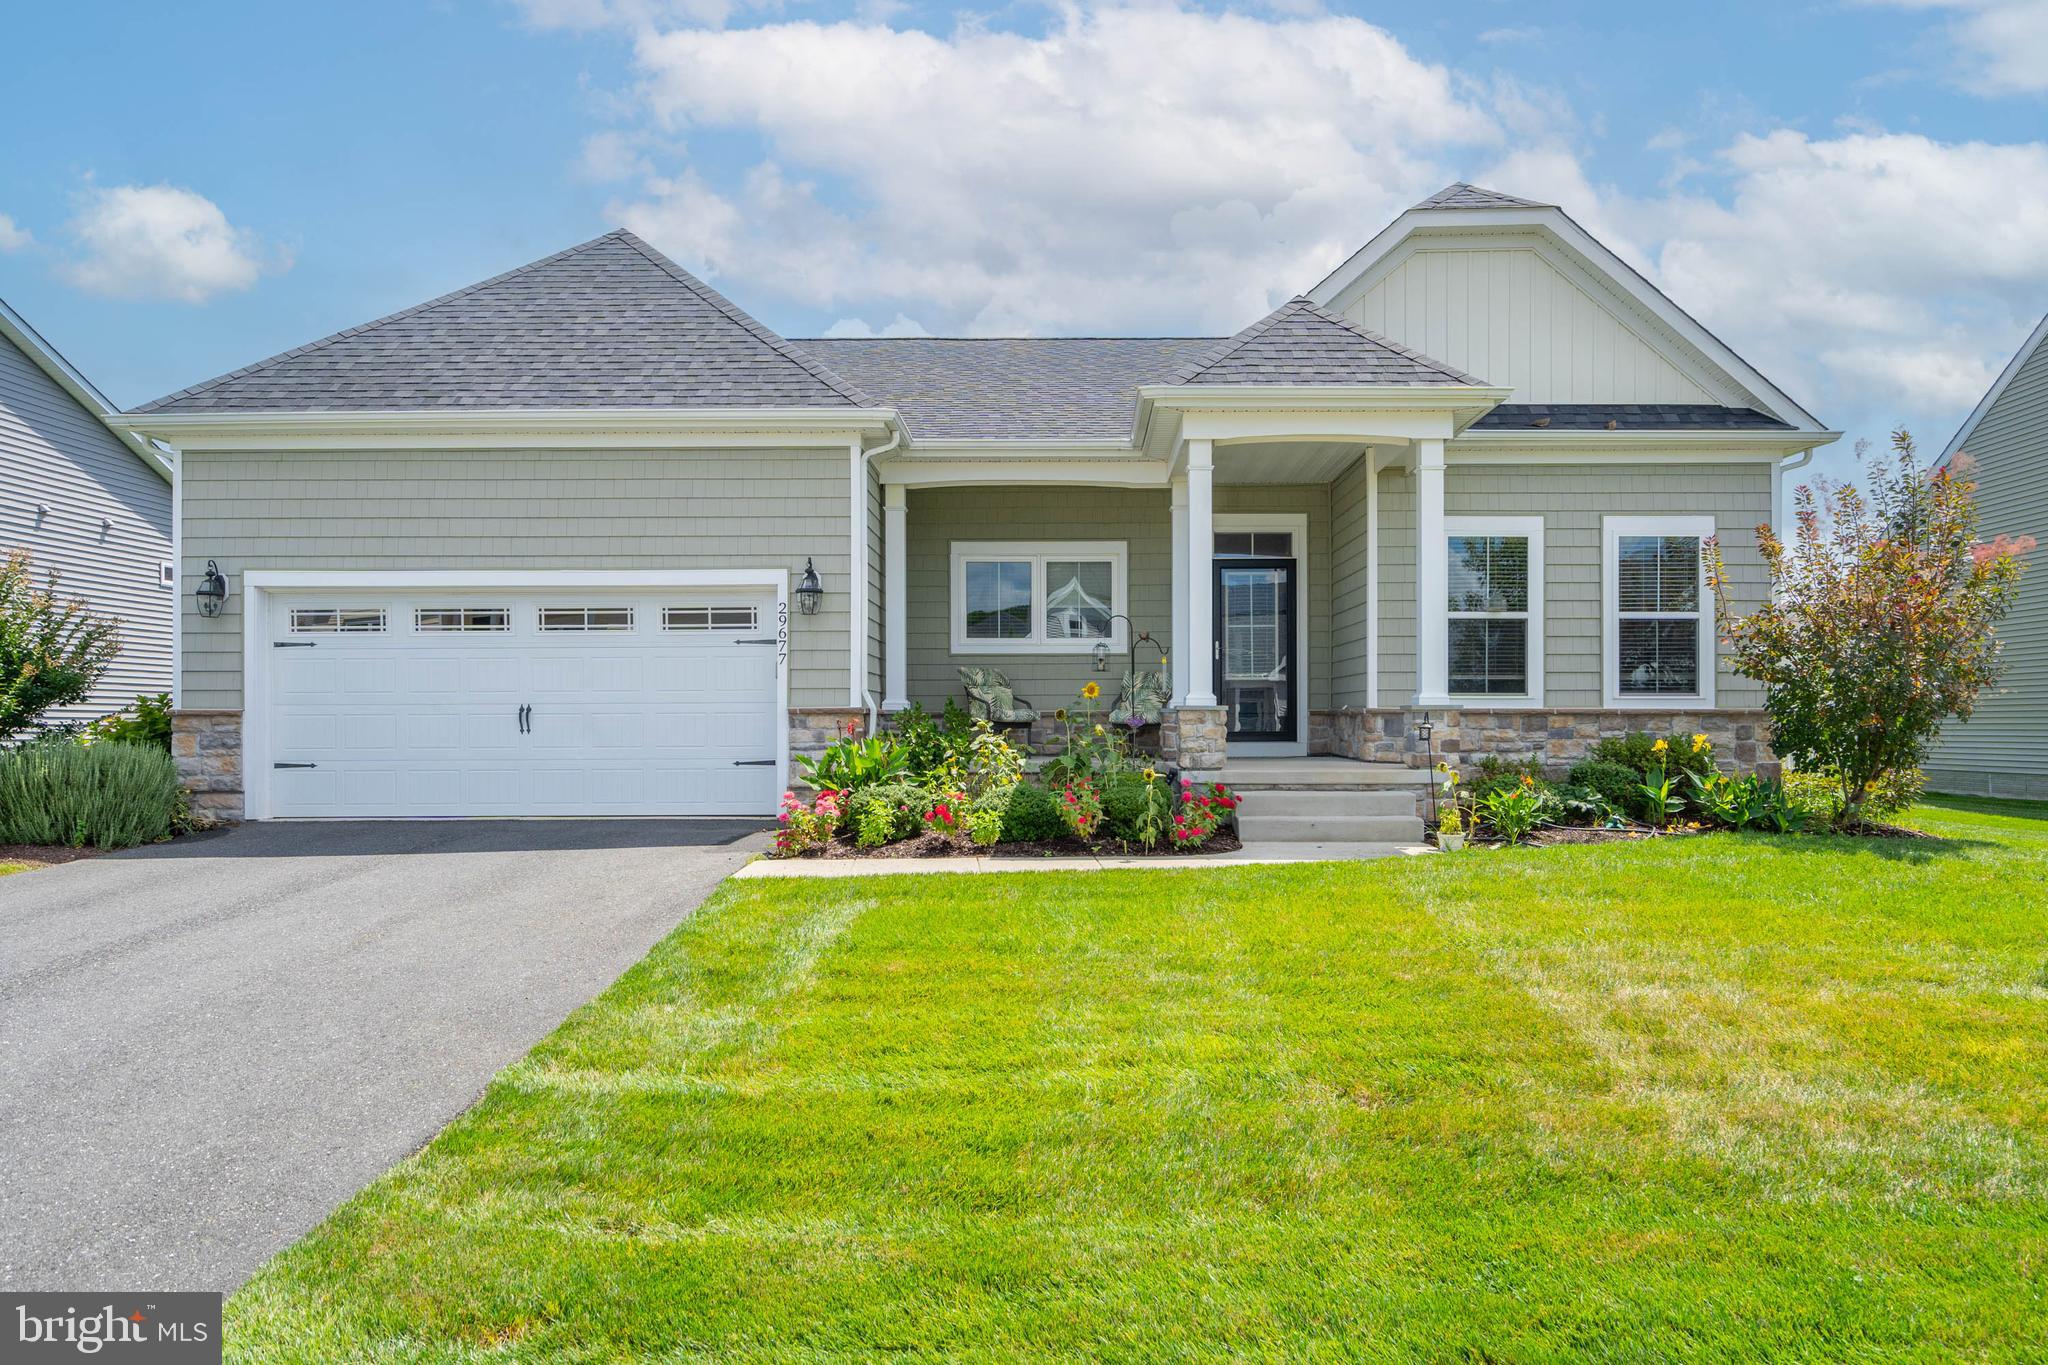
(56, 454)
(1511, 317)
(2003, 748)
(519, 509)
(1572, 500)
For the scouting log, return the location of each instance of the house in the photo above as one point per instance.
(2002, 750)
(535, 546)
(91, 505)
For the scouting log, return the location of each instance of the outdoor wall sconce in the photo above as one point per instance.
(809, 591)
(212, 591)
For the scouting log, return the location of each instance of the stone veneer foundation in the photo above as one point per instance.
(1192, 738)
(207, 747)
(1557, 738)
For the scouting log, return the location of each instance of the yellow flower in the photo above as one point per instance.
(1699, 743)
(1659, 747)
(1151, 775)
(1098, 729)
(1091, 690)
(1528, 781)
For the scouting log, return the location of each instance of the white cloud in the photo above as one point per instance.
(860, 327)
(162, 242)
(2001, 46)
(1010, 182)
(13, 238)
(1514, 33)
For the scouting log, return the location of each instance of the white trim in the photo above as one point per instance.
(1036, 553)
(257, 584)
(1177, 498)
(1201, 481)
(1295, 524)
(1612, 528)
(1437, 692)
(895, 598)
(177, 582)
(1372, 580)
(1352, 277)
(1995, 392)
(1112, 468)
(1431, 570)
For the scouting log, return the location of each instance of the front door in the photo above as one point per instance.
(1255, 664)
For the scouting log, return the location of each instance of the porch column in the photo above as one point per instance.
(895, 599)
(1201, 576)
(1432, 574)
(1179, 634)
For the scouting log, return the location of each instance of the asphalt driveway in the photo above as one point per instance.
(208, 1045)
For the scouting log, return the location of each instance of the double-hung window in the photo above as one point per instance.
(1049, 597)
(1494, 629)
(1658, 628)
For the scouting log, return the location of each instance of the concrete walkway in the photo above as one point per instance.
(1248, 856)
(211, 1043)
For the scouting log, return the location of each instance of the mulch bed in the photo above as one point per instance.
(955, 846)
(1593, 834)
(45, 855)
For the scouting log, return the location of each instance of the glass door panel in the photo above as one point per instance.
(1255, 648)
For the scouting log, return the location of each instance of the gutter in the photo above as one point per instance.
(858, 510)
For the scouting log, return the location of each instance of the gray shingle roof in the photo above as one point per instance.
(1299, 343)
(610, 323)
(1017, 388)
(1627, 417)
(1464, 196)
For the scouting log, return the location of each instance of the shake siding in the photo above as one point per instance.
(55, 453)
(2003, 748)
(1572, 500)
(517, 509)
(1350, 544)
(1397, 587)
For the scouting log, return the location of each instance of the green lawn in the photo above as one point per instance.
(1726, 1097)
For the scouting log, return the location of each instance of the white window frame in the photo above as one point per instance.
(1438, 691)
(1612, 529)
(583, 624)
(1037, 553)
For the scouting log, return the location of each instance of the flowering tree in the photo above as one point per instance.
(1880, 625)
(51, 651)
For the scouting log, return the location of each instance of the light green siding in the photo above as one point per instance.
(517, 510)
(1572, 499)
(1350, 547)
(2003, 748)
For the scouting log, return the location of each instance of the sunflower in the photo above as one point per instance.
(1091, 690)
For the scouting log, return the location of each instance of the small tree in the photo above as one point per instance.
(1880, 623)
(51, 651)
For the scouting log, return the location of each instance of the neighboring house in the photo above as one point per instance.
(91, 505)
(532, 547)
(2003, 749)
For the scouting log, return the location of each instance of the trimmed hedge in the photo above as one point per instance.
(99, 795)
(1030, 815)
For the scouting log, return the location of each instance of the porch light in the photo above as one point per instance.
(809, 591)
(212, 591)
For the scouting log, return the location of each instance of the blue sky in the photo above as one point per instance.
(1855, 195)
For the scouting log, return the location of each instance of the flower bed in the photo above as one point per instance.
(950, 786)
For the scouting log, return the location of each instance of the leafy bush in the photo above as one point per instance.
(1080, 807)
(932, 746)
(1203, 811)
(51, 651)
(805, 827)
(1028, 813)
(99, 795)
(1496, 773)
(1124, 800)
(850, 764)
(1638, 752)
(1512, 811)
(1579, 803)
(1615, 783)
(883, 812)
(1817, 796)
(147, 722)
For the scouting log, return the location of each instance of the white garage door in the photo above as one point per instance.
(454, 703)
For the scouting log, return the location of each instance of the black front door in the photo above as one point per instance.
(1255, 664)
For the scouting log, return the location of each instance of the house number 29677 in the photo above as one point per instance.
(781, 635)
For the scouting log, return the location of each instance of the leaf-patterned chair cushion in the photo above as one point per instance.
(989, 698)
(1144, 698)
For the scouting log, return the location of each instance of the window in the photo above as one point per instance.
(324, 620)
(1049, 598)
(1254, 544)
(1494, 609)
(1658, 632)
(586, 618)
(462, 618)
(710, 618)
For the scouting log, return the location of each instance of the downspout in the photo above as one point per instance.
(861, 458)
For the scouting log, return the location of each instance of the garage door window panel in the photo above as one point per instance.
(435, 620)
(337, 620)
(586, 618)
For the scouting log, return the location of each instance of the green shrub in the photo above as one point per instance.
(1580, 803)
(102, 795)
(1494, 773)
(1123, 805)
(934, 745)
(1636, 751)
(1616, 783)
(852, 763)
(1029, 813)
(883, 812)
(1817, 796)
(147, 722)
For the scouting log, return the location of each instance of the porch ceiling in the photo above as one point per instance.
(1285, 461)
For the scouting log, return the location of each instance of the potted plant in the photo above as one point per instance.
(1450, 824)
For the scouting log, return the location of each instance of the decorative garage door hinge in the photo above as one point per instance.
(295, 765)
(293, 644)
(753, 763)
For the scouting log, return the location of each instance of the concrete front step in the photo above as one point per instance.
(1327, 829)
(1331, 801)
(1318, 774)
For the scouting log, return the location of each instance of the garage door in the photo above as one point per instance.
(479, 703)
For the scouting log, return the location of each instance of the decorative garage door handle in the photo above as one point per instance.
(753, 763)
(295, 765)
(526, 719)
(293, 644)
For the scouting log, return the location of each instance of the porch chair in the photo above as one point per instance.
(989, 698)
(1144, 699)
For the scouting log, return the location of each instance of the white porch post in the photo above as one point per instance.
(1432, 574)
(1181, 658)
(895, 599)
(1201, 651)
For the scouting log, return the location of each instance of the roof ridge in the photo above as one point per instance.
(1186, 373)
(1443, 198)
(375, 323)
(1090, 336)
(735, 314)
